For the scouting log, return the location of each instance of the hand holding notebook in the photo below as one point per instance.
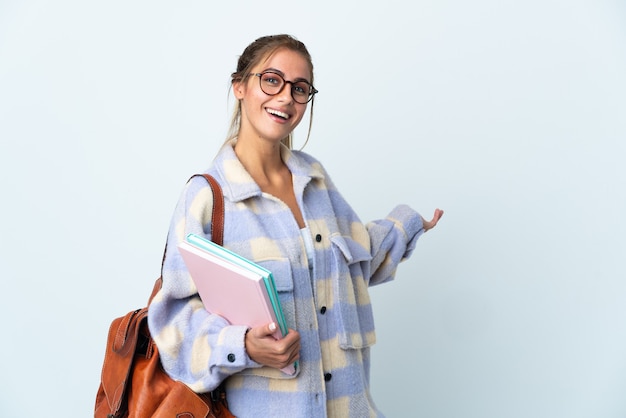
(264, 349)
(233, 287)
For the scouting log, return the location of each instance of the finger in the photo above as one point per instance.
(428, 225)
(436, 217)
(291, 341)
(293, 333)
(264, 331)
(294, 357)
(293, 354)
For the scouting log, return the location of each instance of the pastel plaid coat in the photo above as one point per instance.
(327, 302)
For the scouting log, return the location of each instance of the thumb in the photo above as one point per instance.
(271, 328)
(263, 331)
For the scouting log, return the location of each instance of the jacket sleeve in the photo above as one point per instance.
(196, 347)
(392, 240)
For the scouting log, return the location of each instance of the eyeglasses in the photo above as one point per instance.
(273, 83)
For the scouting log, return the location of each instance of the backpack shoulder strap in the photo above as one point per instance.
(217, 217)
(217, 223)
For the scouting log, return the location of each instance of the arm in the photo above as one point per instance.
(195, 346)
(393, 240)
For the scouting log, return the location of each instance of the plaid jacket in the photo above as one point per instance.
(327, 302)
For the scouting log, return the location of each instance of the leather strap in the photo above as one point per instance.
(217, 224)
(217, 216)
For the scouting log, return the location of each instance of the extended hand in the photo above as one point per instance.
(433, 222)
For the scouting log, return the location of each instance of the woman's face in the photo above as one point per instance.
(266, 117)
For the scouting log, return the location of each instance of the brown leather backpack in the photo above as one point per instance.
(133, 383)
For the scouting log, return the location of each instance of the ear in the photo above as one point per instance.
(239, 89)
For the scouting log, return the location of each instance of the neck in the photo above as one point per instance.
(261, 158)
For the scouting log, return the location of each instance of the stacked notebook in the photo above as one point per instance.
(240, 291)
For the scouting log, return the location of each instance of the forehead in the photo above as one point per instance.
(291, 63)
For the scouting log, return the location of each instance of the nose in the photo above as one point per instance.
(285, 93)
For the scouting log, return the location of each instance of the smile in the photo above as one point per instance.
(277, 113)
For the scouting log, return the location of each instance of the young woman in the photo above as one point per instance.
(283, 212)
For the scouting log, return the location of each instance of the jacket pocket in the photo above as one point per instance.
(350, 270)
(352, 251)
(283, 281)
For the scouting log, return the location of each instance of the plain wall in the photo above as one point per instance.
(509, 115)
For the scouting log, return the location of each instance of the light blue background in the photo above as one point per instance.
(509, 115)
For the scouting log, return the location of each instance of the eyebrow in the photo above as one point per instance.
(277, 71)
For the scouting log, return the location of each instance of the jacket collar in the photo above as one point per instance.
(238, 185)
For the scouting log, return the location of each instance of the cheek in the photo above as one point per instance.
(242, 89)
(252, 96)
(301, 113)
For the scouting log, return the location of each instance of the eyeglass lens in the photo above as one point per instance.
(273, 83)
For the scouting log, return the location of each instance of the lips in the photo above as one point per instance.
(278, 113)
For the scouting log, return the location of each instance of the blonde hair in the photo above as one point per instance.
(256, 52)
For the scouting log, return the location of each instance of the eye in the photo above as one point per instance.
(301, 89)
(272, 79)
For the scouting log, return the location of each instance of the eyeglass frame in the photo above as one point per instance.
(312, 92)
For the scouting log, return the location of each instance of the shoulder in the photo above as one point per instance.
(301, 162)
(307, 159)
(304, 156)
(197, 183)
(217, 169)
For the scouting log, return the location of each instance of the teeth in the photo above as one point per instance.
(278, 113)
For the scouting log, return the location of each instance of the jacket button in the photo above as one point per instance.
(231, 358)
(327, 377)
(323, 310)
(318, 238)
